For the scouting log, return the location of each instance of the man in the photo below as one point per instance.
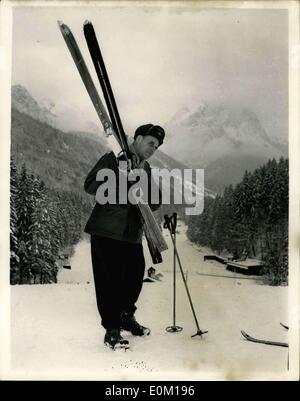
(116, 243)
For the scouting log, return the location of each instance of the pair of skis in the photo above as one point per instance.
(267, 342)
(112, 124)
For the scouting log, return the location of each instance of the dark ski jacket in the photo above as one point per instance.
(117, 221)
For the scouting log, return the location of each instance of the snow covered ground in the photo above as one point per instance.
(56, 334)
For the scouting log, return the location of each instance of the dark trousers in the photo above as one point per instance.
(118, 269)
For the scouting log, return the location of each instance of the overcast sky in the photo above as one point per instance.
(159, 60)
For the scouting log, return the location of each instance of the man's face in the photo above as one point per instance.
(145, 146)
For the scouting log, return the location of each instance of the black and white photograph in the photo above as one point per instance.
(150, 191)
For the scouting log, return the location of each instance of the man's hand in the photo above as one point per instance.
(134, 162)
(131, 165)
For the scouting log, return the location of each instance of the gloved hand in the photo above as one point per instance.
(134, 162)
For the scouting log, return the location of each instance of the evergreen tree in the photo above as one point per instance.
(44, 223)
(56, 228)
(42, 255)
(279, 193)
(25, 208)
(253, 216)
(199, 227)
(217, 235)
(228, 216)
(14, 258)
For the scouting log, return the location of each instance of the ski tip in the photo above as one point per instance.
(63, 27)
(87, 22)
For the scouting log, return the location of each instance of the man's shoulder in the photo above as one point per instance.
(109, 154)
(109, 157)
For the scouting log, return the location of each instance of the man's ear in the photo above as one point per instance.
(139, 139)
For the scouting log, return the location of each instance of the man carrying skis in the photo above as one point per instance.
(116, 243)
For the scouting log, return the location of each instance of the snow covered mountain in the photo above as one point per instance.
(206, 133)
(37, 129)
(224, 141)
(66, 118)
(23, 102)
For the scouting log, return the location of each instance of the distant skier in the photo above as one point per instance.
(152, 273)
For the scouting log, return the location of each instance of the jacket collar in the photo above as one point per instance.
(141, 163)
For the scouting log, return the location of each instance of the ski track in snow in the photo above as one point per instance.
(56, 332)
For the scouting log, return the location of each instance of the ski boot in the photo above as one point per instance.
(114, 340)
(129, 323)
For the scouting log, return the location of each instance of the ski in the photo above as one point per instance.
(260, 341)
(96, 55)
(112, 125)
(86, 77)
(284, 326)
(154, 237)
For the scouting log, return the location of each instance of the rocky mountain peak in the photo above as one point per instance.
(23, 101)
(201, 135)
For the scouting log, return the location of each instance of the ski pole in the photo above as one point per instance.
(174, 268)
(174, 328)
(199, 331)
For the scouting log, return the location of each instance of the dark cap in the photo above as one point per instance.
(150, 129)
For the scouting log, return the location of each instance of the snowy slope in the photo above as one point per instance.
(56, 331)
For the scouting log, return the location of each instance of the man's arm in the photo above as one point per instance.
(91, 184)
